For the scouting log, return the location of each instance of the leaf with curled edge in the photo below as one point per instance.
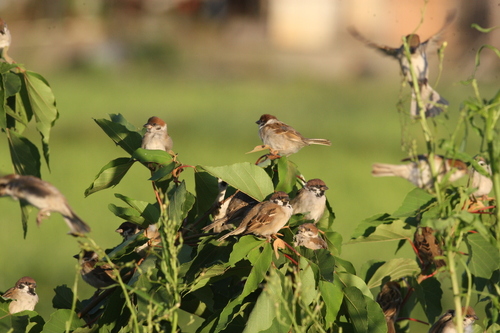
(110, 175)
(121, 135)
(395, 269)
(395, 230)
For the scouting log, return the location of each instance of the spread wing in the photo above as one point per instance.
(387, 50)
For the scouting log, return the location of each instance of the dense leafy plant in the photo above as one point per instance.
(193, 283)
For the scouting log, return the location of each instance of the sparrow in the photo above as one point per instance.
(419, 172)
(5, 40)
(44, 196)
(281, 139)
(428, 247)
(266, 218)
(238, 206)
(390, 300)
(311, 200)
(128, 229)
(98, 276)
(23, 295)
(445, 323)
(433, 102)
(483, 184)
(308, 236)
(156, 136)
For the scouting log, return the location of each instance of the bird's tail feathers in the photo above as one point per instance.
(322, 142)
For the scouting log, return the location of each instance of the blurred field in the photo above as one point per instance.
(212, 122)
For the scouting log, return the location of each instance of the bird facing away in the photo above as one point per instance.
(433, 102)
(428, 247)
(390, 300)
(283, 139)
(23, 295)
(44, 196)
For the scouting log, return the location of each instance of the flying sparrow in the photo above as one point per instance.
(308, 236)
(419, 65)
(311, 200)
(5, 40)
(419, 172)
(428, 247)
(128, 229)
(156, 136)
(98, 276)
(237, 207)
(266, 218)
(390, 300)
(44, 196)
(482, 183)
(282, 139)
(445, 323)
(23, 295)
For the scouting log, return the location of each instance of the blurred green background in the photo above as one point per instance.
(210, 77)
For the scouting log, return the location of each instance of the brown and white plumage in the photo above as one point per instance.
(390, 300)
(23, 295)
(428, 247)
(128, 229)
(5, 40)
(156, 136)
(98, 276)
(266, 218)
(44, 196)
(311, 200)
(308, 236)
(419, 172)
(482, 183)
(445, 323)
(282, 138)
(433, 102)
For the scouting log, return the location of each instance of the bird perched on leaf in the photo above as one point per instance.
(390, 300)
(308, 236)
(23, 295)
(311, 200)
(418, 171)
(282, 139)
(482, 183)
(433, 102)
(266, 218)
(428, 247)
(156, 136)
(44, 196)
(445, 323)
(97, 274)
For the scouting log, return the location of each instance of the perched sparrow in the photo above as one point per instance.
(265, 218)
(482, 183)
(156, 136)
(445, 323)
(98, 276)
(129, 229)
(311, 200)
(390, 301)
(5, 40)
(428, 247)
(308, 236)
(44, 196)
(419, 172)
(237, 207)
(433, 102)
(283, 139)
(23, 295)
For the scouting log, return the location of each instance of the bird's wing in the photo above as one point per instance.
(387, 50)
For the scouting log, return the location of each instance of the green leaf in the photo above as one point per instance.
(356, 307)
(24, 154)
(180, 204)
(241, 249)
(188, 322)
(287, 175)
(121, 135)
(429, 294)
(153, 156)
(63, 298)
(128, 214)
(307, 282)
(248, 178)
(348, 280)
(27, 321)
(394, 269)
(117, 118)
(59, 318)
(386, 232)
(332, 296)
(110, 175)
(415, 202)
(376, 318)
(12, 84)
(43, 105)
(207, 190)
(484, 257)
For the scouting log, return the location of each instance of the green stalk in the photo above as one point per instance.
(457, 300)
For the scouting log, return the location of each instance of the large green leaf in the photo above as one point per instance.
(347, 280)
(484, 257)
(24, 154)
(43, 105)
(414, 202)
(332, 296)
(121, 135)
(59, 319)
(367, 226)
(394, 269)
(356, 307)
(387, 232)
(153, 156)
(246, 177)
(429, 294)
(287, 175)
(376, 318)
(110, 175)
